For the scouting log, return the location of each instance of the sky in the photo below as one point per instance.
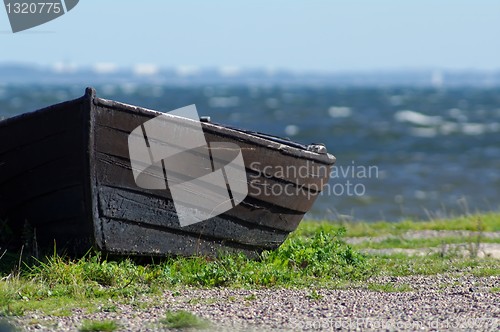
(302, 35)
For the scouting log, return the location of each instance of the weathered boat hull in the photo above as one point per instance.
(66, 176)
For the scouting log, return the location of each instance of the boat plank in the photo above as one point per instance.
(31, 127)
(114, 126)
(115, 172)
(60, 204)
(70, 235)
(261, 187)
(143, 209)
(40, 152)
(43, 210)
(151, 241)
(42, 180)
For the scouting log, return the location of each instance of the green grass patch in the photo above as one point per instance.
(489, 222)
(315, 256)
(182, 320)
(495, 289)
(57, 282)
(300, 261)
(96, 326)
(482, 270)
(314, 295)
(402, 265)
(389, 287)
(399, 242)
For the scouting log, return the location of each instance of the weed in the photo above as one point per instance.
(495, 289)
(389, 287)
(314, 295)
(474, 245)
(183, 319)
(96, 326)
(109, 308)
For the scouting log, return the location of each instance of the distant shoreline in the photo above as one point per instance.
(60, 73)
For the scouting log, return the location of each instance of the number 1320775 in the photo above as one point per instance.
(34, 8)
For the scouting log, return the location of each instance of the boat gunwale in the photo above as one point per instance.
(220, 130)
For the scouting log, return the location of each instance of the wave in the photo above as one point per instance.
(417, 118)
(339, 111)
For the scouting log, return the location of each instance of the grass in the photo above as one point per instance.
(182, 320)
(489, 222)
(389, 287)
(96, 326)
(57, 282)
(315, 256)
(400, 242)
(314, 295)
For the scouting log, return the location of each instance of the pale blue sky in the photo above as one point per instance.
(290, 34)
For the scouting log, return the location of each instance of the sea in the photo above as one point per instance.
(403, 152)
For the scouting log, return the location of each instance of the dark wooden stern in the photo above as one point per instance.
(44, 178)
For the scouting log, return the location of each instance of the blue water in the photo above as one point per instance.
(431, 152)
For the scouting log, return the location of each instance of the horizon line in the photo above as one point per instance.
(152, 68)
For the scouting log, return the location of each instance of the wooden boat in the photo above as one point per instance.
(65, 178)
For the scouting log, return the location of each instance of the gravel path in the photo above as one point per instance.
(440, 302)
